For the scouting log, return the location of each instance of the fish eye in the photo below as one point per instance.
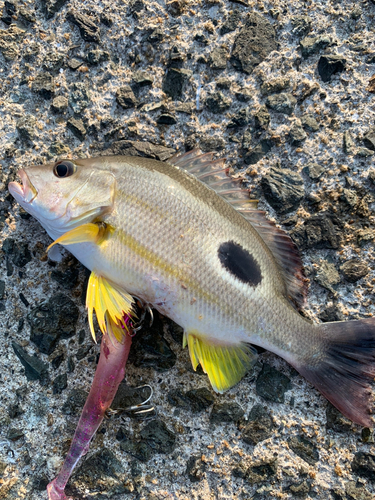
(64, 168)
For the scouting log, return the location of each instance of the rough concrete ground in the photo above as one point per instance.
(285, 91)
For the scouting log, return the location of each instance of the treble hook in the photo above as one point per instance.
(146, 308)
(138, 409)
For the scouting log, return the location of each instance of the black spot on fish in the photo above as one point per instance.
(240, 263)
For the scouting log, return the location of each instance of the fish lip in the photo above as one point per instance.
(24, 192)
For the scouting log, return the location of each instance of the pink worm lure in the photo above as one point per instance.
(109, 373)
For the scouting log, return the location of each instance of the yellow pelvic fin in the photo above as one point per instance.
(111, 304)
(225, 365)
(90, 232)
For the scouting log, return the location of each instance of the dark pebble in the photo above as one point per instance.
(140, 148)
(300, 489)
(195, 468)
(157, 435)
(208, 143)
(74, 402)
(261, 472)
(35, 369)
(223, 83)
(314, 44)
(275, 85)
(272, 384)
(53, 61)
(24, 299)
(57, 360)
(96, 56)
(304, 448)
(262, 118)
(26, 128)
(138, 449)
(329, 65)
(67, 276)
(15, 434)
(40, 482)
(369, 139)
(174, 82)
(231, 23)
(143, 78)
(240, 119)
(258, 152)
(283, 189)
(59, 104)
(60, 383)
(354, 269)
(15, 410)
(363, 465)
(218, 57)
(226, 412)
(77, 127)
(336, 421)
(297, 134)
(71, 365)
(313, 170)
(282, 103)
(150, 349)
(51, 321)
(259, 427)
(309, 123)
(50, 7)
(327, 275)
(79, 97)
(83, 351)
(331, 313)
(44, 85)
(74, 63)
(18, 252)
(101, 472)
(256, 39)
(301, 24)
(2, 289)
(136, 6)
(176, 7)
(179, 399)
(59, 149)
(348, 143)
(244, 95)
(166, 119)
(88, 29)
(106, 20)
(200, 399)
(10, 42)
(125, 97)
(320, 231)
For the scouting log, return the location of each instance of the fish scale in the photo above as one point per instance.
(185, 238)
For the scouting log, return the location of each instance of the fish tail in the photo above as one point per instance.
(344, 370)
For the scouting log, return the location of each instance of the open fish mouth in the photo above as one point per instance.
(25, 192)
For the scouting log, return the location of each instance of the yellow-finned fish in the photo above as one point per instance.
(184, 237)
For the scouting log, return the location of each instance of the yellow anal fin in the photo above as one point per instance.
(86, 233)
(111, 304)
(225, 365)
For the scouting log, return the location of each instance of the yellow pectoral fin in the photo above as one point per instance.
(225, 365)
(112, 306)
(86, 233)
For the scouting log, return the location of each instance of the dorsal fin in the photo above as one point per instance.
(214, 174)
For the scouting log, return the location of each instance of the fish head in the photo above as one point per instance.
(65, 194)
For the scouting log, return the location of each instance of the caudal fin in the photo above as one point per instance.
(345, 371)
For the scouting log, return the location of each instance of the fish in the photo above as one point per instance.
(185, 238)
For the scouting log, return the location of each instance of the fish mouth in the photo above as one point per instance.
(24, 192)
